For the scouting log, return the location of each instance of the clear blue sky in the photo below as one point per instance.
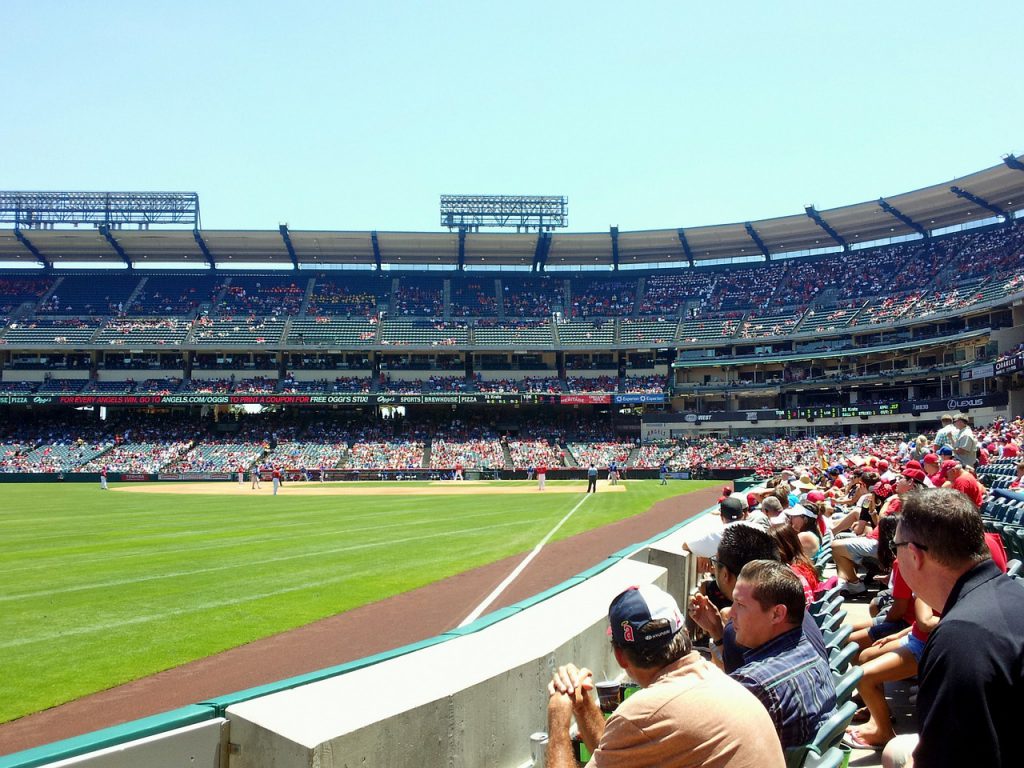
(357, 116)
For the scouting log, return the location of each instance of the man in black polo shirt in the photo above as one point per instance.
(972, 670)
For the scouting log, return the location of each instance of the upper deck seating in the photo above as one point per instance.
(267, 294)
(170, 295)
(90, 294)
(532, 296)
(354, 293)
(603, 296)
(473, 297)
(642, 331)
(665, 294)
(16, 290)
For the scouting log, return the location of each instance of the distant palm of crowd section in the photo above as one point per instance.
(149, 443)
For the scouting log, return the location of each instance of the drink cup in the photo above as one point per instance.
(609, 693)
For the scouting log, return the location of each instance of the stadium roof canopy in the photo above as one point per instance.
(983, 195)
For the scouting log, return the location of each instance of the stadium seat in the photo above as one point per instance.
(833, 758)
(839, 658)
(827, 610)
(830, 622)
(1013, 568)
(832, 730)
(828, 595)
(846, 684)
(825, 741)
(826, 607)
(838, 637)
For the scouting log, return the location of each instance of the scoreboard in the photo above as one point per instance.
(838, 411)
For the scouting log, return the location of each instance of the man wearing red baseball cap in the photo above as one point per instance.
(930, 464)
(961, 480)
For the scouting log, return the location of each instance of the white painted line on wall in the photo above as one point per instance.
(520, 568)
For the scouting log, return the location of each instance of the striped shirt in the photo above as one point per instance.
(793, 682)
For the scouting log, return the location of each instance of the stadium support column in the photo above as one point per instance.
(982, 203)
(614, 232)
(376, 249)
(758, 241)
(892, 210)
(283, 229)
(540, 252)
(686, 246)
(47, 264)
(202, 247)
(816, 217)
(105, 231)
(1013, 162)
(462, 248)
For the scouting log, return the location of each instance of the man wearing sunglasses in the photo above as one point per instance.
(971, 678)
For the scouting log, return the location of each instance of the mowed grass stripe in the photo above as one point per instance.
(124, 586)
(148, 588)
(153, 552)
(301, 580)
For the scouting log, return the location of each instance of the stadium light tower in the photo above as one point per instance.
(112, 210)
(467, 213)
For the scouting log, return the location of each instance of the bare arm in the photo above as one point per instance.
(568, 695)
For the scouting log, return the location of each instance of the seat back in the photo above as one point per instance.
(833, 758)
(840, 658)
(831, 731)
(827, 607)
(830, 621)
(846, 683)
(837, 637)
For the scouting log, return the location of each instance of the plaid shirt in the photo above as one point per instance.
(793, 682)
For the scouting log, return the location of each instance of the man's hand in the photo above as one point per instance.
(572, 682)
(707, 616)
(568, 692)
(559, 712)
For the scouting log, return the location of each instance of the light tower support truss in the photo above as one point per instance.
(524, 212)
(46, 210)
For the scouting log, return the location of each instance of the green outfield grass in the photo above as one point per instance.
(103, 588)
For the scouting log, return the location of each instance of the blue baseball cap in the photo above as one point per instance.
(635, 609)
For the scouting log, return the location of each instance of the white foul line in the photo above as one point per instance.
(519, 568)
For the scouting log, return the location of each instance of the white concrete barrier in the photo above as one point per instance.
(194, 746)
(468, 702)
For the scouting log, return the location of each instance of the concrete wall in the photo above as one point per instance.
(471, 701)
(467, 699)
(195, 746)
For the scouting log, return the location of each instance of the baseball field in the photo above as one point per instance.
(100, 588)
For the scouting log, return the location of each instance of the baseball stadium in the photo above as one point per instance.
(256, 479)
(325, 442)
